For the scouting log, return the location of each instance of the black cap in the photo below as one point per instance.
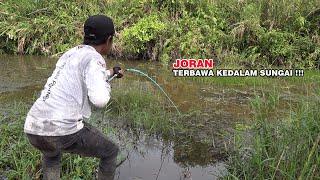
(97, 28)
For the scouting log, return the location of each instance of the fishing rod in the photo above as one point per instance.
(152, 80)
(110, 79)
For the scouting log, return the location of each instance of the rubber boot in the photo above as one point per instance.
(51, 173)
(105, 176)
(107, 168)
(51, 167)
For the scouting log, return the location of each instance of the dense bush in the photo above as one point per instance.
(141, 37)
(251, 33)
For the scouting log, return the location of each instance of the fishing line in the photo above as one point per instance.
(154, 82)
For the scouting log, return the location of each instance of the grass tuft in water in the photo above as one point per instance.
(285, 148)
(143, 109)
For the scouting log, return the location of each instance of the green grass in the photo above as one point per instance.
(283, 148)
(310, 76)
(144, 108)
(19, 158)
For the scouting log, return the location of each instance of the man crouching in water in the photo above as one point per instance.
(55, 123)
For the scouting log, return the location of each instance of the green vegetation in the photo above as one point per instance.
(239, 32)
(310, 76)
(282, 148)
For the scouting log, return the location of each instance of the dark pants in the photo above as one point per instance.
(87, 142)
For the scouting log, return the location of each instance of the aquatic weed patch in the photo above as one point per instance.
(143, 108)
(286, 148)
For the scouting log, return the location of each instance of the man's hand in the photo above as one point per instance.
(116, 70)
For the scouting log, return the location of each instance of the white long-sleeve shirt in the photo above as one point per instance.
(78, 79)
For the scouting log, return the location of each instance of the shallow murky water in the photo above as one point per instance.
(22, 78)
(153, 158)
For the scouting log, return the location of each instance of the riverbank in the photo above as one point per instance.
(235, 33)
